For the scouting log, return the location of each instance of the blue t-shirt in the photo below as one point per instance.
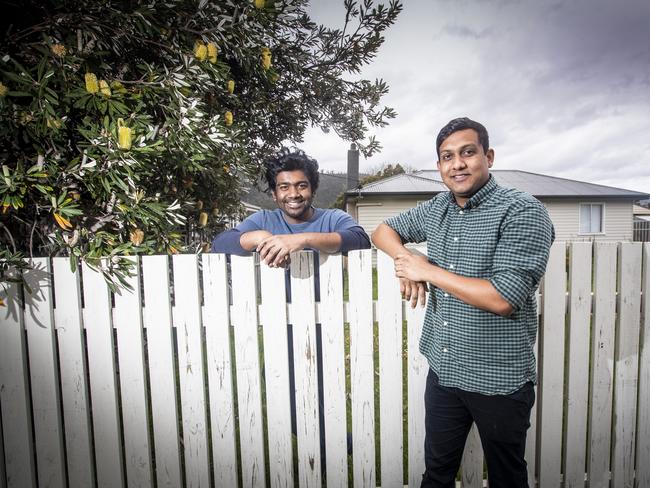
(324, 220)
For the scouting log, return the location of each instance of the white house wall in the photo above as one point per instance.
(565, 214)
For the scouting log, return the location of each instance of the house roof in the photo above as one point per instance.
(403, 183)
(541, 186)
(638, 210)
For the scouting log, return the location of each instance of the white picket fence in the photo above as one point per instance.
(144, 389)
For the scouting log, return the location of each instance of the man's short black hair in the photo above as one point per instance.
(291, 159)
(463, 123)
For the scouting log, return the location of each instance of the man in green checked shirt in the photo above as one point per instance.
(487, 248)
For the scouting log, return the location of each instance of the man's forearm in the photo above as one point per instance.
(250, 240)
(477, 292)
(328, 242)
(389, 241)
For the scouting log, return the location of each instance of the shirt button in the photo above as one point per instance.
(455, 239)
(461, 212)
(446, 294)
(451, 266)
(444, 349)
(444, 323)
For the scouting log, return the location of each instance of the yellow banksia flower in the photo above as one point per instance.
(266, 58)
(203, 219)
(226, 168)
(200, 51)
(213, 50)
(62, 221)
(3, 89)
(5, 207)
(227, 118)
(231, 86)
(53, 123)
(124, 135)
(91, 83)
(259, 4)
(58, 50)
(104, 88)
(206, 247)
(2, 302)
(136, 236)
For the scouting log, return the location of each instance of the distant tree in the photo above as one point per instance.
(384, 171)
(129, 127)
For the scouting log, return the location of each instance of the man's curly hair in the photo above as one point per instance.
(291, 159)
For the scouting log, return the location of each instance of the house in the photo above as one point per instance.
(579, 210)
(641, 222)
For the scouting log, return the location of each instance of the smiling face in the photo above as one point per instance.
(294, 196)
(464, 165)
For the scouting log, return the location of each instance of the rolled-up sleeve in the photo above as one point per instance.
(410, 224)
(522, 253)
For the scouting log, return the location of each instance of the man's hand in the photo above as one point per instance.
(413, 291)
(412, 267)
(275, 250)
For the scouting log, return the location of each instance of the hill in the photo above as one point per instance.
(330, 186)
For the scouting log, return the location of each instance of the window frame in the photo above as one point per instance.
(602, 218)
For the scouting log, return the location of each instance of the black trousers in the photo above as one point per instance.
(502, 422)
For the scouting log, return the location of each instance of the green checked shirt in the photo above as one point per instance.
(501, 235)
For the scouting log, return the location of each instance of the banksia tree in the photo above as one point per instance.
(120, 120)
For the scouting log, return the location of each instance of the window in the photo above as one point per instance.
(591, 218)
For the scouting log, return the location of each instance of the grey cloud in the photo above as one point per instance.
(457, 30)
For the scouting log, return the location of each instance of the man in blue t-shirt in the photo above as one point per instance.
(292, 177)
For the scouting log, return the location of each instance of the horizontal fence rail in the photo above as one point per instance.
(217, 371)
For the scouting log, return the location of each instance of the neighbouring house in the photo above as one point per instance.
(579, 210)
(641, 223)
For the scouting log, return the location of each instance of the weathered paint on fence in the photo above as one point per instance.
(122, 377)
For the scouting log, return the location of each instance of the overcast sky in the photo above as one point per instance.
(562, 86)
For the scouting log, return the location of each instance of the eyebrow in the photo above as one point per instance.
(462, 148)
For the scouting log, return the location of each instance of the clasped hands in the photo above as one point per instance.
(411, 271)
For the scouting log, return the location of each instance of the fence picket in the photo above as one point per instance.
(276, 374)
(187, 320)
(418, 368)
(72, 363)
(643, 424)
(552, 375)
(472, 461)
(362, 368)
(216, 319)
(103, 381)
(127, 320)
(626, 364)
(15, 401)
(601, 380)
(43, 370)
(244, 320)
(578, 364)
(389, 319)
(333, 354)
(531, 435)
(305, 368)
(157, 321)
